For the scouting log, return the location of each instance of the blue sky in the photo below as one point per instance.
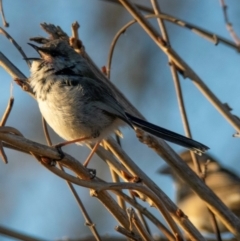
(39, 203)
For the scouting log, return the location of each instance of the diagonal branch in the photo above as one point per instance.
(229, 26)
(17, 235)
(11, 39)
(5, 23)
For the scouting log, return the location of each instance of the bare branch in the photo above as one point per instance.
(17, 235)
(147, 214)
(127, 233)
(11, 39)
(229, 26)
(7, 111)
(135, 220)
(116, 179)
(3, 122)
(10, 67)
(5, 23)
(3, 154)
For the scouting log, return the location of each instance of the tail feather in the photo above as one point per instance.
(167, 135)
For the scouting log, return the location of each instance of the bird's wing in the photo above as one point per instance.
(101, 96)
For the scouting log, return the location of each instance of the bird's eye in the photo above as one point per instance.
(57, 54)
(54, 53)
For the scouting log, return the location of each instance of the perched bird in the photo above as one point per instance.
(224, 183)
(77, 105)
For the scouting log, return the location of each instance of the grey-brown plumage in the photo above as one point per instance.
(77, 105)
(224, 182)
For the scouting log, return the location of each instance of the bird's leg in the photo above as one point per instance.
(65, 143)
(85, 164)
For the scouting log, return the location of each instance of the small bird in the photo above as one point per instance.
(77, 105)
(224, 183)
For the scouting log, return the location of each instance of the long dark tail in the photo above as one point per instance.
(167, 135)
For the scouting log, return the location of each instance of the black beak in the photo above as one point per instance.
(35, 47)
(32, 59)
(40, 50)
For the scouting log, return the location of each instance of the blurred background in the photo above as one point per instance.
(33, 200)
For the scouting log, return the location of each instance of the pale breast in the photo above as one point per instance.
(78, 120)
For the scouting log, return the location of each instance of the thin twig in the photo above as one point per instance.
(3, 154)
(10, 68)
(3, 122)
(215, 225)
(212, 216)
(11, 39)
(5, 23)
(147, 214)
(74, 41)
(128, 234)
(46, 132)
(7, 111)
(121, 202)
(140, 214)
(229, 25)
(17, 235)
(137, 223)
(157, 202)
(10, 130)
(116, 179)
(16, 74)
(139, 6)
